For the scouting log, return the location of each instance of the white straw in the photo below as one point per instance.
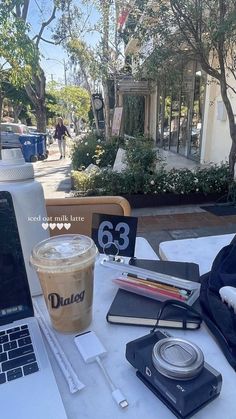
(71, 377)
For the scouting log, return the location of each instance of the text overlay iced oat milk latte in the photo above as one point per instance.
(65, 266)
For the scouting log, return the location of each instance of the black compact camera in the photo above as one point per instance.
(175, 371)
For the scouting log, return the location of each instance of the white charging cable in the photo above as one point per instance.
(91, 349)
(116, 393)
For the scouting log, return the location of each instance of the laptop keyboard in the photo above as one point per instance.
(17, 357)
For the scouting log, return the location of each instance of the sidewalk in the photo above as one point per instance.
(172, 160)
(155, 224)
(54, 174)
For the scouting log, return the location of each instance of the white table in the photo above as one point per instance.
(95, 401)
(201, 250)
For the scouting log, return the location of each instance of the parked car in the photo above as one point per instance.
(10, 133)
(18, 136)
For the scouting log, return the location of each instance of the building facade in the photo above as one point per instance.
(187, 115)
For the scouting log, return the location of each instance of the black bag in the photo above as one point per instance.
(219, 318)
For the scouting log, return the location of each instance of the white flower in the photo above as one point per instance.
(86, 143)
(99, 140)
(152, 182)
(87, 154)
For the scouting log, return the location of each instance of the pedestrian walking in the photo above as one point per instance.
(60, 133)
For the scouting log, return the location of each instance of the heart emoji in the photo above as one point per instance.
(67, 226)
(45, 226)
(59, 226)
(52, 226)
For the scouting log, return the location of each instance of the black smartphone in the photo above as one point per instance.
(183, 270)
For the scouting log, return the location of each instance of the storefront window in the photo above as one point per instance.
(174, 123)
(183, 126)
(181, 123)
(196, 123)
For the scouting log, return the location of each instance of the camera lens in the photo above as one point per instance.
(177, 358)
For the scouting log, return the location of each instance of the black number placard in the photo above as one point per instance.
(113, 234)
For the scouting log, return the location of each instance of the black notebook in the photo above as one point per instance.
(133, 309)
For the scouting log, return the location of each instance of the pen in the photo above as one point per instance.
(135, 286)
(156, 284)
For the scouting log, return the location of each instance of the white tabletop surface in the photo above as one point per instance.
(201, 250)
(95, 401)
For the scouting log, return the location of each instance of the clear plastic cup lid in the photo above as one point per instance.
(67, 251)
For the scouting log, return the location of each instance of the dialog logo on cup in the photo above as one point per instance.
(57, 301)
(114, 234)
(65, 267)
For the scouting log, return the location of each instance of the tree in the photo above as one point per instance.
(105, 6)
(18, 56)
(80, 53)
(204, 30)
(95, 64)
(74, 100)
(70, 31)
(18, 98)
(36, 88)
(14, 32)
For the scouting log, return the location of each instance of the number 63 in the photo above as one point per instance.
(105, 235)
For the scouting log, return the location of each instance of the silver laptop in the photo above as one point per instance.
(28, 388)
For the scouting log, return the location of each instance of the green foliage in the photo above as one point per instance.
(140, 156)
(94, 150)
(84, 182)
(83, 55)
(61, 100)
(78, 99)
(182, 182)
(184, 30)
(16, 48)
(16, 95)
(213, 179)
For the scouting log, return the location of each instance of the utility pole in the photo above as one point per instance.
(64, 66)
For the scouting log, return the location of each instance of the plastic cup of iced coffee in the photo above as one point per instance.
(65, 267)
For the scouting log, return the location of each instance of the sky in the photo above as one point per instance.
(54, 58)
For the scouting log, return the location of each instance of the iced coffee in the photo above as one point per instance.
(65, 266)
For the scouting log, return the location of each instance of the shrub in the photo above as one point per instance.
(140, 156)
(213, 179)
(183, 181)
(94, 150)
(83, 181)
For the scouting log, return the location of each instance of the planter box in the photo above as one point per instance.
(145, 201)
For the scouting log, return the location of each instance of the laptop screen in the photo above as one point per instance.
(15, 298)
